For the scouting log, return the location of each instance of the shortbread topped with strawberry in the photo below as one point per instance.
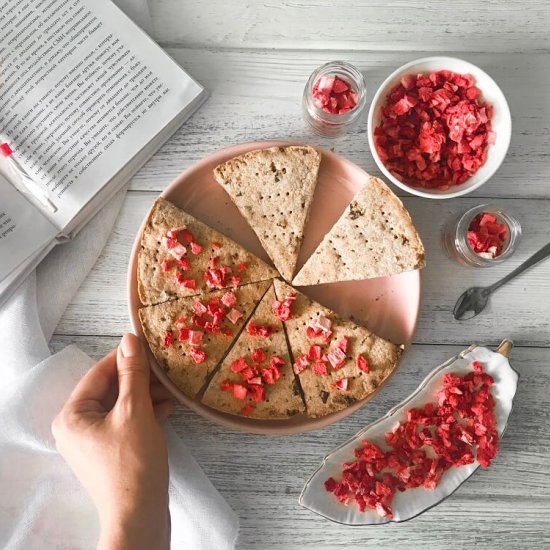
(256, 377)
(181, 256)
(337, 361)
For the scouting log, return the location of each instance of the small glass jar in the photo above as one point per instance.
(456, 241)
(328, 124)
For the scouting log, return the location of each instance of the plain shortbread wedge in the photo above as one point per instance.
(374, 237)
(156, 321)
(155, 285)
(273, 189)
(282, 398)
(322, 395)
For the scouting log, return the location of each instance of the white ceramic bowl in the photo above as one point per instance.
(491, 93)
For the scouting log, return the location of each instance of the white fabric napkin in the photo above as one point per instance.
(42, 505)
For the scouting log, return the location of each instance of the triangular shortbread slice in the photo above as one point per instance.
(337, 361)
(189, 336)
(181, 256)
(273, 188)
(374, 237)
(256, 377)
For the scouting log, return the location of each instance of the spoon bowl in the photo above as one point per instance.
(471, 303)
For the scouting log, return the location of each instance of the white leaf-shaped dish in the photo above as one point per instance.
(408, 504)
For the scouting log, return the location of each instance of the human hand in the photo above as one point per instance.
(109, 434)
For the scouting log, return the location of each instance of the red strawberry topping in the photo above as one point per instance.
(434, 130)
(259, 355)
(198, 355)
(239, 391)
(334, 95)
(319, 368)
(196, 248)
(457, 430)
(229, 299)
(168, 339)
(486, 236)
(341, 384)
(234, 315)
(362, 363)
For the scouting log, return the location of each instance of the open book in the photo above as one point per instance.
(86, 97)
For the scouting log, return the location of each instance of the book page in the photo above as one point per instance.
(83, 91)
(23, 229)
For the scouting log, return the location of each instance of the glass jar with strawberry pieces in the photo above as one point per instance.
(334, 98)
(483, 236)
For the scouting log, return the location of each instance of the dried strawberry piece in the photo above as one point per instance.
(336, 357)
(314, 353)
(234, 315)
(195, 337)
(238, 365)
(248, 373)
(362, 363)
(166, 265)
(196, 248)
(198, 355)
(189, 284)
(258, 330)
(239, 391)
(186, 236)
(242, 267)
(183, 334)
(227, 385)
(199, 308)
(343, 344)
(258, 355)
(271, 374)
(246, 410)
(341, 384)
(319, 368)
(256, 380)
(235, 281)
(486, 236)
(229, 299)
(283, 310)
(334, 94)
(168, 339)
(256, 392)
(301, 363)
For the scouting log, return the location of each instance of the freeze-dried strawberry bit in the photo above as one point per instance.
(246, 410)
(283, 310)
(189, 284)
(195, 337)
(196, 248)
(234, 315)
(186, 236)
(198, 355)
(258, 330)
(434, 130)
(183, 264)
(459, 428)
(362, 363)
(238, 365)
(343, 344)
(216, 245)
(256, 380)
(229, 299)
(169, 242)
(242, 267)
(226, 385)
(248, 373)
(256, 392)
(168, 339)
(199, 308)
(341, 384)
(239, 391)
(258, 355)
(235, 281)
(301, 362)
(314, 353)
(214, 261)
(181, 319)
(271, 375)
(333, 94)
(485, 236)
(319, 368)
(183, 334)
(166, 265)
(336, 357)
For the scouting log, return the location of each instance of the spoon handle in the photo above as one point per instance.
(543, 253)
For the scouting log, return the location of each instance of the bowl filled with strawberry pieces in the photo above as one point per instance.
(439, 127)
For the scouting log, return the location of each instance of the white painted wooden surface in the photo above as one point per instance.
(254, 57)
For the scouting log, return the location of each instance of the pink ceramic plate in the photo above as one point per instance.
(389, 306)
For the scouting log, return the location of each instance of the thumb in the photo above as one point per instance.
(132, 369)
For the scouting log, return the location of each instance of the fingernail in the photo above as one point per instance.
(130, 346)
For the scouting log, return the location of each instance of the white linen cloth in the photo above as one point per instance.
(42, 505)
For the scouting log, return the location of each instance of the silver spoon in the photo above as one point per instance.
(474, 300)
